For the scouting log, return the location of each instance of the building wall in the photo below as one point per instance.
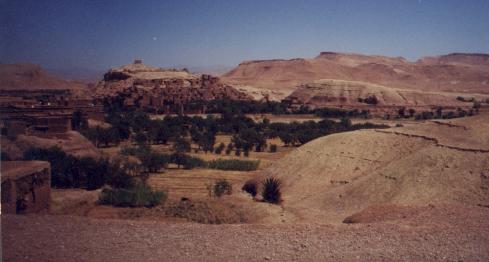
(27, 194)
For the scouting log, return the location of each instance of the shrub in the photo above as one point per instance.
(153, 161)
(372, 100)
(222, 187)
(101, 136)
(250, 187)
(71, 172)
(246, 153)
(237, 152)
(140, 149)
(233, 164)
(273, 148)
(138, 196)
(219, 148)
(271, 190)
(181, 146)
(465, 99)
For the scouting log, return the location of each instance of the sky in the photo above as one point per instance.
(100, 34)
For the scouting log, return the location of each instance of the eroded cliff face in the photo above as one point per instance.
(355, 94)
(163, 89)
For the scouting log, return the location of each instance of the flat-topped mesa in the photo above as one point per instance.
(474, 59)
(270, 61)
(165, 90)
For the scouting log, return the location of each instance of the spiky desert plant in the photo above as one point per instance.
(271, 190)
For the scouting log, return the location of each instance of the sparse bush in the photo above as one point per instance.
(71, 172)
(219, 148)
(237, 152)
(246, 153)
(271, 190)
(372, 100)
(465, 99)
(222, 187)
(153, 161)
(140, 195)
(250, 187)
(233, 164)
(273, 148)
(181, 145)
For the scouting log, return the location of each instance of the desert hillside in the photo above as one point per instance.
(337, 93)
(31, 77)
(465, 73)
(433, 163)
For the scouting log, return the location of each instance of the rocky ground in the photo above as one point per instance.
(444, 233)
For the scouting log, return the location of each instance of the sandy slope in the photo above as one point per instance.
(337, 175)
(71, 142)
(32, 77)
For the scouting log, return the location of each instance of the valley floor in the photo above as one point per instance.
(445, 233)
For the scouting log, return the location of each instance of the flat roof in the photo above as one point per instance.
(18, 169)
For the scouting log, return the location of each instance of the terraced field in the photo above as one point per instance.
(194, 184)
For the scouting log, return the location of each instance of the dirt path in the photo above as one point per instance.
(63, 238)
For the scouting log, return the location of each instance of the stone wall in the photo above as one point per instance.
(26, 186)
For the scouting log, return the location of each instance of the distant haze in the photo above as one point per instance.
(91, 36)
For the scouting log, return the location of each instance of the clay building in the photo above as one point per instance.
(40, 120)
(26, 186)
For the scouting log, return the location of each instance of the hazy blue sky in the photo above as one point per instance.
(105, 33)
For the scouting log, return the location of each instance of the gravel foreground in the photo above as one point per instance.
(66, 238)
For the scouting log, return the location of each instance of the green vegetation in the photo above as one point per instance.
(222, 187)
(101, 136)
(139, 195)
(465, 99)
(250, 187)
(371, 100)
(71, 172)
(233, 164)
(271, 190)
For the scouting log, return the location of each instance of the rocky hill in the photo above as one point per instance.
(463, 73)
(354, 94)
(32, 77)
(162, 89)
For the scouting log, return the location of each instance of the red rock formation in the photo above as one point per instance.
(462, 73)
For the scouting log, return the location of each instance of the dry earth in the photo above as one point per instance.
(71, 142)
(437, 233)
(467, 73)
(32, 77)
(417, 192)
(436, 162)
